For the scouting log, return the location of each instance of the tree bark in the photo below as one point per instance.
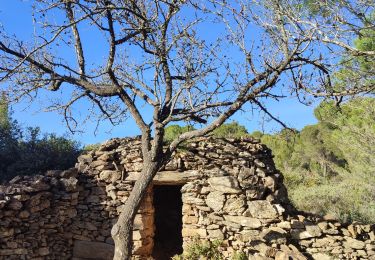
(122, 231)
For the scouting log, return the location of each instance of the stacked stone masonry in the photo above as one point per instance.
(231, 192)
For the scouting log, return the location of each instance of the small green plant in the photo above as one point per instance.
(239, 256)
(201, 250)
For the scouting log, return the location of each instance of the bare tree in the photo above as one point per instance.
(163, 56)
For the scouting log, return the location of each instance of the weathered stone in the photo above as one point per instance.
(193, 232)
(235, 206)
(274, 235)
(284, 225)
(85, 158)
(8, 252)
(15, 204)
(24, 214)
(231, 225)
(259, 257)
(215, 200)
(205, 190)
(98, 191)
(7, 232)
(248, 235)
(246, 173)
(281, 255)
(43, 251)
(70, 173)
(110, 176)
(353, 243)
(190, 219)
(352, 231)
(189, 199)
(225, 184)
(323, 225)
(69, 184)
(321, 256)
(310, 232)
(93, 199)
(38, 185)
(313, 230)
(262, 209)
(2, 203)
(270, 183)
(90, 226)
(244, 221)
(191, 188)
(330, 217)
(216, 233)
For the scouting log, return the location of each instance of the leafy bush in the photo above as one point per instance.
(172, 131)
(37, 153)
(230, 130)
(239, 256)
(201, 250)
(28, 151)
(90, 147)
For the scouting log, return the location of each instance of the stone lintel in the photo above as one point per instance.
(167, 177)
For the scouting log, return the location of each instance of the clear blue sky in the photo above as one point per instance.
(15, 17)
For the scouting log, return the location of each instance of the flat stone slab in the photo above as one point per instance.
(225, 184)
(167, 177)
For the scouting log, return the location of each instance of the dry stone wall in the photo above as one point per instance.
(34, 214)
(231, 192)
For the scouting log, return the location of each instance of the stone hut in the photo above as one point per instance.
(213, 190)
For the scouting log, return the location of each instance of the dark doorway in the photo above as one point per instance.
(168, 222)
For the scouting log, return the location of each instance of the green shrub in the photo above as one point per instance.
(198, 249)
(209, 250)
(230, 130)
(239, 256)
(173, 131)
(90, 147)
(349, 199)
(28, 151)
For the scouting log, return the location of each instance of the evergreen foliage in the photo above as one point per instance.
(329, 167)
(28, 151)
(229, 130)
(172, 131)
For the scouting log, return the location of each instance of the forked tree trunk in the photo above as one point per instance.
(122, 231)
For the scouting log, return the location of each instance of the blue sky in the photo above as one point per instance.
(15, 16)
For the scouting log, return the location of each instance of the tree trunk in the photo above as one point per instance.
(122, 231)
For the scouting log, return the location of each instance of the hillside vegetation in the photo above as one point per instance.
(328, 167)
(27, 151)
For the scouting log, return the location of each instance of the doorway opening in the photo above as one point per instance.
(168, 222)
